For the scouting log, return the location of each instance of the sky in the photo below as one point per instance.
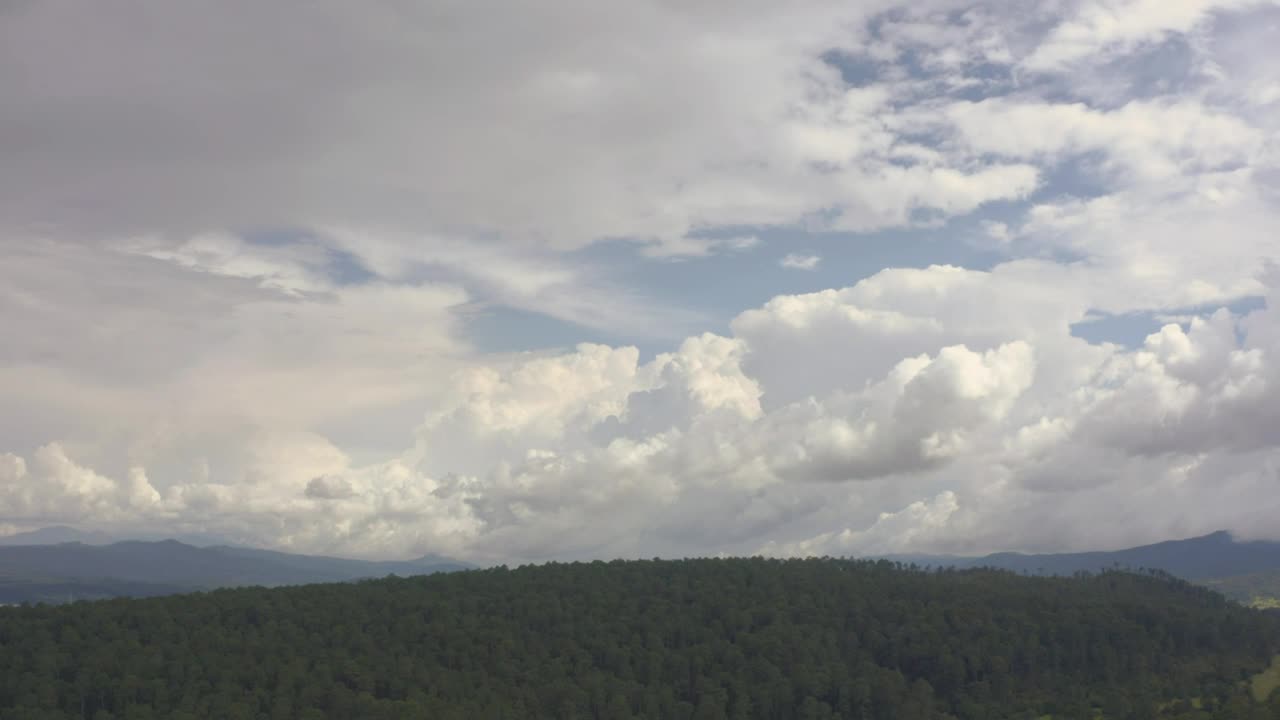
(513, 282)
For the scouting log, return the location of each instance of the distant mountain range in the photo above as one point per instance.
(59, 564)
(62, 571)
(1202, 558)
(1248, 572)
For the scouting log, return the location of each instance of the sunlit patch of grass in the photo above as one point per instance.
(1265, 682)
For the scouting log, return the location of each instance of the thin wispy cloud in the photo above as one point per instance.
(800, 262)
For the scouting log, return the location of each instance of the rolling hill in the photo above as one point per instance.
(710, 639)
(1260, 589)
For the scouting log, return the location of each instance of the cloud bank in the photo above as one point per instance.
(239, 290)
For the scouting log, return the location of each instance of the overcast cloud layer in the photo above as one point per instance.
(246, 249)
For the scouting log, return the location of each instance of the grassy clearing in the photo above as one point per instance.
(1265, 682)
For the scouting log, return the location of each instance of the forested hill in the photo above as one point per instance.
(704, 639)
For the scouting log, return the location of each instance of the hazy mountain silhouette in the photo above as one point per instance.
(1217, 555)
(57, 534)
(60, 570)
(76, 570)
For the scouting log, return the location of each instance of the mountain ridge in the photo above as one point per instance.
(76, 570)
(1216, 555)
(56, 571)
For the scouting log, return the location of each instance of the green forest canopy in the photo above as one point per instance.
(696, 639)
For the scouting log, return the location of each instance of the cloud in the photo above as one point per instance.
(1151, 139)
(594, 452)
(891, 530)
(125, 355)
(920, 416)
(55, 488)
(1103, 28)
(333, 115)
(239, 291)
(1189, 391)
(328, 487)
(800, 262)
(1144, 242)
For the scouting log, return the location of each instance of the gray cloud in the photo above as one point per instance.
(168, 363)
(328, 487)
(154, 117)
